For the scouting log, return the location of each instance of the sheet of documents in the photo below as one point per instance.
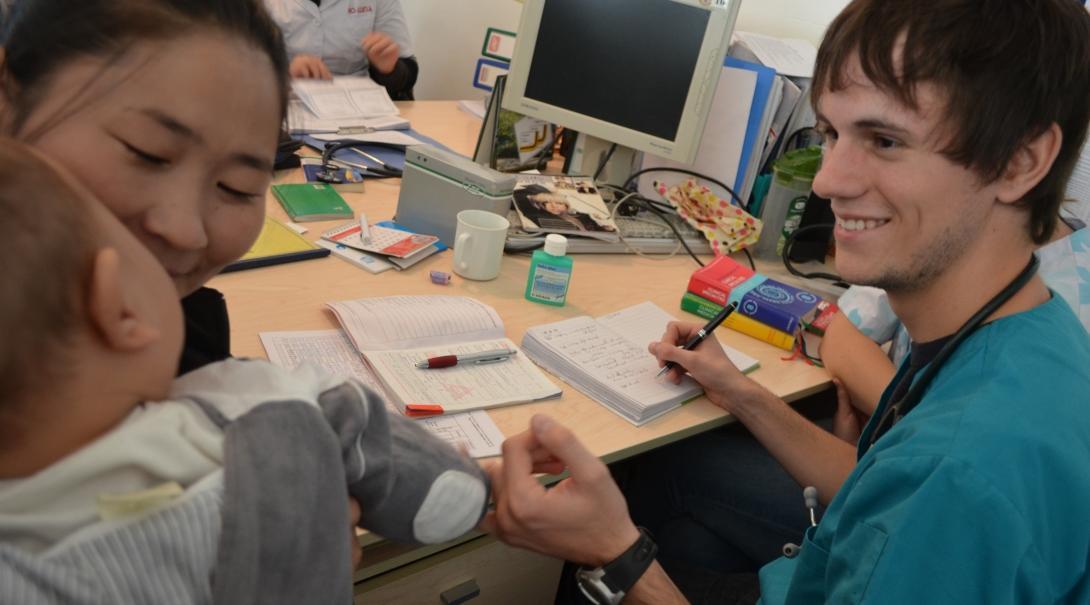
(402, 322)
(788, 56)
(344, 97)
(330, 349)
(302, 120)
(465, 386)
(606, 366)
(645, 323)
(475, 431)
(327, 349)
(387, 137)
(607, 359)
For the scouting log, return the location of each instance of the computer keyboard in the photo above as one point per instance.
(647, 225)
(644, 232)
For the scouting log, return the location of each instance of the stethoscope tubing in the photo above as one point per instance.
(897, 410)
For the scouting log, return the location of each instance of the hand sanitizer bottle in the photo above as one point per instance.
(550, 272)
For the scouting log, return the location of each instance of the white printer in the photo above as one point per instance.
(437, 185)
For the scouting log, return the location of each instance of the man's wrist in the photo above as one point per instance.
(744, 400)
(607, 584)
(615, 548)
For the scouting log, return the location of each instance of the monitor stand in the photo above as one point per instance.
(587, 155)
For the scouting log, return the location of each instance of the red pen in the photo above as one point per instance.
(446, 361)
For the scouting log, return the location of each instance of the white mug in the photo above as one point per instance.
(478, 244)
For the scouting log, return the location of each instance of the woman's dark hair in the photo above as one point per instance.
(40, 37)
(1009, 70)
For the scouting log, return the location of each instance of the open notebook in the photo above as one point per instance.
(607, 359)
(395, 332)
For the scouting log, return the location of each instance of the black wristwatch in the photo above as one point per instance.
(607, 585)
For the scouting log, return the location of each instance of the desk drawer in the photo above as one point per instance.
(503, 575)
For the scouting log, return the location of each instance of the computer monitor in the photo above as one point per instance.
(639, 73)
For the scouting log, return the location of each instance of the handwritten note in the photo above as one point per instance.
(327, 349)
(611, 360)
(607, 359)
(474, 431)
(645, 323)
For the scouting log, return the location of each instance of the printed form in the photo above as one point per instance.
(331, 350)
(344, 97)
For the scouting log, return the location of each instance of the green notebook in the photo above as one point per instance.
(311, 202)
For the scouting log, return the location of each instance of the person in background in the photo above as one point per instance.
(327, 38)
(969, 483)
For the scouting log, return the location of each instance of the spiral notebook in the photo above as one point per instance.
(607, 359)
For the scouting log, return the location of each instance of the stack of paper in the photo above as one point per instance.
(344, 104)
(607, 359)
(390, 246)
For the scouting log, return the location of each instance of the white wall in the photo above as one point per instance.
(448, 34)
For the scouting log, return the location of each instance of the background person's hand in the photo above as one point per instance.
(310, 67)
(584, 518)
(381, 51)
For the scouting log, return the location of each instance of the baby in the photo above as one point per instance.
(120, 484)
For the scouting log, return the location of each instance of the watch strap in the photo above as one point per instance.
(622, 573)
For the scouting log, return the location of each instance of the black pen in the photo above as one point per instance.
(701, 335)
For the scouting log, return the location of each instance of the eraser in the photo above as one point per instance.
(439, 277)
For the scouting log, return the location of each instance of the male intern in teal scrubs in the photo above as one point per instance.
(951, 127)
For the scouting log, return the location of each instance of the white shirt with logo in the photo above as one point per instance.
(333, 31)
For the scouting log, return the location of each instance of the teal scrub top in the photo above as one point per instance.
(980, 495)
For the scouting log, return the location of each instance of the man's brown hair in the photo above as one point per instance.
(1009, 70)
(48, 245)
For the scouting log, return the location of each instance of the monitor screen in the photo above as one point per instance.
(639, 73)
(627, 62)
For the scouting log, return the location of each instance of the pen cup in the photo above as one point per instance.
(478, 244)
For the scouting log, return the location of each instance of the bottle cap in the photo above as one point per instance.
(556, 244)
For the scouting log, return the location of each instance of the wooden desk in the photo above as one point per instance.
(292, 297)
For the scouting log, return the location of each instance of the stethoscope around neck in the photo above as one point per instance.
(894, 412)
(899, 409)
